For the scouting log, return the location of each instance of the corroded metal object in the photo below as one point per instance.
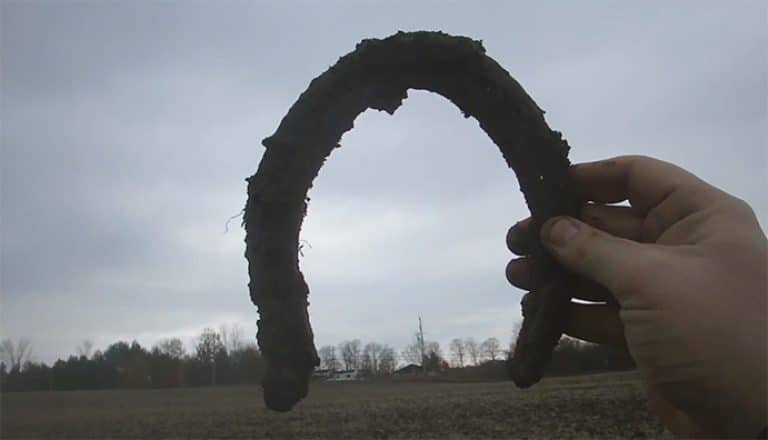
(377, 75)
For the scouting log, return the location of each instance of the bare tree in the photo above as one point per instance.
(472, 349)
(433, 357)
(231, 337)
(16, 354)
(412, 354)
(350, 354)
(173, 348)
(84, 349)
(491, 348)
(372, 357)
(223, 335)
(209, 345)
(328, 358)
(366, 363)
(236, 338)
(387, 360)
(458, 351)
(432, 347)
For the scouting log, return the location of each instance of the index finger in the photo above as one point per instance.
(644, 181)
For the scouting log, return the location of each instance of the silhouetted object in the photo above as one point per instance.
(377, 75)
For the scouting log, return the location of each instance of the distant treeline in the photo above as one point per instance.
(124, 365)
(222, 359)
(575, 357)
(570, 357)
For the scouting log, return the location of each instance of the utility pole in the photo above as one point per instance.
(421, 345)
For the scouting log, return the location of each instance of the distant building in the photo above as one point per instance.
(322, 374)
(345, 375)
(408, 370)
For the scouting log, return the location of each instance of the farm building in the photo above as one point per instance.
(322, 374)
(408, 370)
(346, 375)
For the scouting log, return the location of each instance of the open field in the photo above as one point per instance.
(607, 405)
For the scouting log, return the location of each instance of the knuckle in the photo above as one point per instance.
(636, 158)
(636, 161)
(740, 207)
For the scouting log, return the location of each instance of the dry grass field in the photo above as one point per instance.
(604, 406)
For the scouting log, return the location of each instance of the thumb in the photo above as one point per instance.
(594, 254)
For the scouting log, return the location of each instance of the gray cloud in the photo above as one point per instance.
(128, 128)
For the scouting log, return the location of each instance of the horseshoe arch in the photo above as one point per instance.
(377, 74)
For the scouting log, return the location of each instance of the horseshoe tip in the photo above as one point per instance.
(283, 388)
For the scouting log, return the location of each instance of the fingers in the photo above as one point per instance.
(519, 275)
(620, 221)
(645, 182)
(598, 323)
(518, 238)
(680, 204)
(610, 261)
(617, 220)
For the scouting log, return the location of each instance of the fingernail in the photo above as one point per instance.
(516, 238)
(514, 270)
(563, 231)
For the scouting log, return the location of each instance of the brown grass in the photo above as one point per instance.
(607, 405)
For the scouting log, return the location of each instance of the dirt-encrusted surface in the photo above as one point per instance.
(377, 75)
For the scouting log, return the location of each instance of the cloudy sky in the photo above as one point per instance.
(128, 129)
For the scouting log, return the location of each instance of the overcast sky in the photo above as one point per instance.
(128, 129)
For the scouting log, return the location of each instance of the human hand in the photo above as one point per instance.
(680, 280)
